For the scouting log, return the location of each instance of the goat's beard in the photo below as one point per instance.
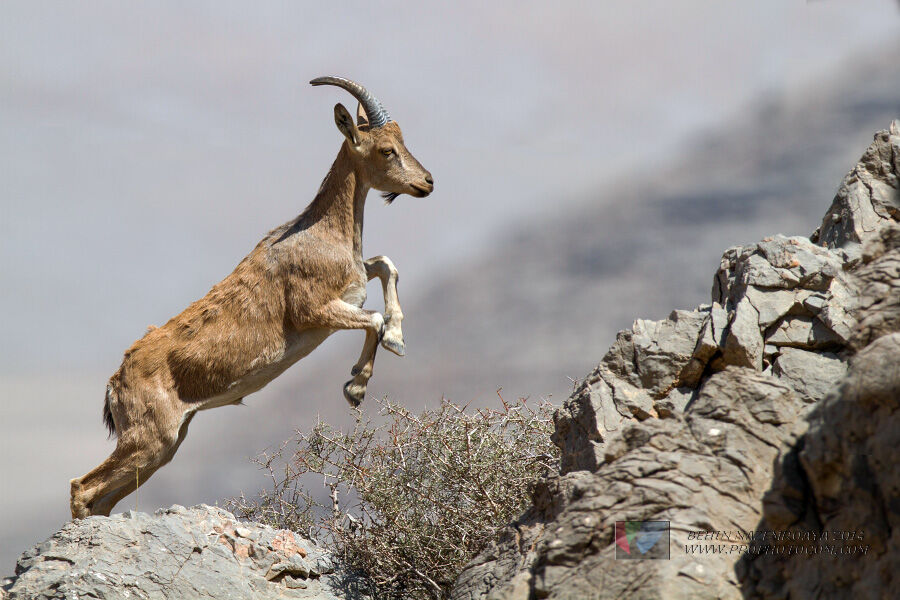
(389, 196)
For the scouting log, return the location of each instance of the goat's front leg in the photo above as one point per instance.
(342, 315)
(383, 268)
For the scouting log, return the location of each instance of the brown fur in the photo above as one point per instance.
(303, 281)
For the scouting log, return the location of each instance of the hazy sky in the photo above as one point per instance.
(146, 147)
(146, 150)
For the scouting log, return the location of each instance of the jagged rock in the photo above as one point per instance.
(675, 401)
(744, 343)
(705, 470)
(835, 308)
(803, 332)
(583, 426)
(771, 305)
(198, 552)
(879, 278)
(776, 263)
(813, 267)
(745, 266)
(781, 292)
(633, 382)
(868, 196)
(840, 483)
(721, 429)
(713, 335)
(663, 350)
(810, 374)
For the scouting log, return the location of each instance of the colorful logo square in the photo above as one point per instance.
(642, 539)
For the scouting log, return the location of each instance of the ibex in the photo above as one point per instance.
(303, 281)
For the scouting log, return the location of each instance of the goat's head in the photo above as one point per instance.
(375, 144)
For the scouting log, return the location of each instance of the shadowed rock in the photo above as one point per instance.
(839, 486)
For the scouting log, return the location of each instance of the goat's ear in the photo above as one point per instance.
(362, 120)
(345, 124)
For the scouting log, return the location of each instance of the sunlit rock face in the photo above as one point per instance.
(197, 552)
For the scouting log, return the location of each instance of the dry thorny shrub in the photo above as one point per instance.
(414, 499)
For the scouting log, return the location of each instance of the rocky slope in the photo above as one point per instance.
(198, 552)
(714, 420)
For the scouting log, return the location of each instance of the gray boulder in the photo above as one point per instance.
(198, 552)
(810, 374)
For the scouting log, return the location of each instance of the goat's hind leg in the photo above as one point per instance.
(91, 493)
(383, 268)
(132, 462)
(163, 453)
(105, 503)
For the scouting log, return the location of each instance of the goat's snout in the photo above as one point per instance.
(427, 187)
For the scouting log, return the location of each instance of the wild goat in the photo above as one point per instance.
(302, 282)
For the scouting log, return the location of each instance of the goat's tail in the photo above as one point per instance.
(107, 411)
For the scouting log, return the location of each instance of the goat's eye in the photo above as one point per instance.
(387, 151)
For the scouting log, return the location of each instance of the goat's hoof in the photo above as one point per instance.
(397, 347)
(354, 393)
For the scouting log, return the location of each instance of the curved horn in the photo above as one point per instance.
(374, 110)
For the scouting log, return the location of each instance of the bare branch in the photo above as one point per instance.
(422, 493)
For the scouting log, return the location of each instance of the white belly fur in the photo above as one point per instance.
(296, 347)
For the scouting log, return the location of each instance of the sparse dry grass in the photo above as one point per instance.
(414, 499)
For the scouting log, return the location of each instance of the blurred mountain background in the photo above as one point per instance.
(591, 165)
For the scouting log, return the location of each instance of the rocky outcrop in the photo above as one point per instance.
(838, 491)
(866, 199)
(691, 419)
(780, 305)
(198, 552)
